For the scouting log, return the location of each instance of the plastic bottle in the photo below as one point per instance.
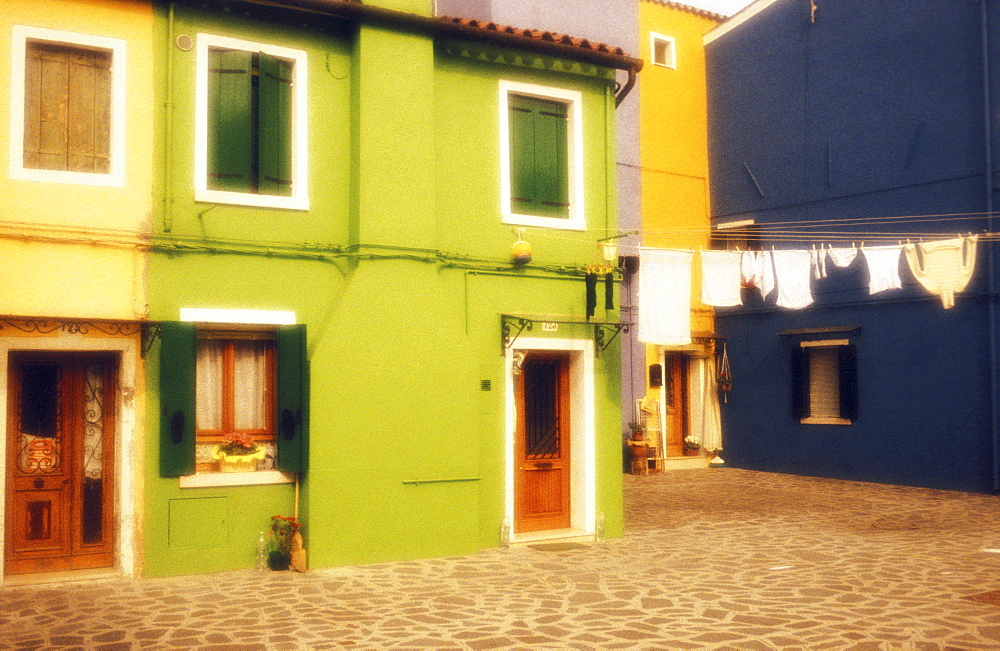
(261, 552)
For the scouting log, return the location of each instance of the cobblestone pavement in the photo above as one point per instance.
(712, 559)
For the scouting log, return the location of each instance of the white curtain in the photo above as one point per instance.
(249, 384)
(704, 414)
(209, 382)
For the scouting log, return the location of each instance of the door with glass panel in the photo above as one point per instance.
(542, 444)
(60, 462)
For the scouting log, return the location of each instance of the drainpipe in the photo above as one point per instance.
(168, 149)
(489, 33)
(991, 262)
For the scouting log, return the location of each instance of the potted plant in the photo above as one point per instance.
(238, 453)
(638, 431)
(283, 528)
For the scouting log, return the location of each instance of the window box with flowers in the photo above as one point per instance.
(238, 453)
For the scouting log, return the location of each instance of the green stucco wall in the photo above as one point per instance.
(400, 269)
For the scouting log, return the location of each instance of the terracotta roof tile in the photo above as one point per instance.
(538, 35)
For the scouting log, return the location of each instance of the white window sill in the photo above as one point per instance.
(825, 420)
(259, 478)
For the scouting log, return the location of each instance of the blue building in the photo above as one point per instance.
(840, 122)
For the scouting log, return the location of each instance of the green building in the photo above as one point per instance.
(331, 273)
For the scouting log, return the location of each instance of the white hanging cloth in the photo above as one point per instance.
(792, 270)
(883, 267)
(664, 297)
(842, 257)
(818, 261)
(705, 416)
(943, 267)
(721, 278)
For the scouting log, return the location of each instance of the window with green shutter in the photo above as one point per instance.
(217, 383)
(249, 122)
(539, 165)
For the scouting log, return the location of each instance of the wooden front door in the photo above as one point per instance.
(60, 462)
(675, 394)
(542, 450)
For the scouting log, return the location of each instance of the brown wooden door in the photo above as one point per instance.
(542, 450)
(60, 462)
(675, 394)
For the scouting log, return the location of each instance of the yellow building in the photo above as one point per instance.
(673, 126)
(76, 78)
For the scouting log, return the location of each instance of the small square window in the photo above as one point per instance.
(825, 382)
(663, 50)
(732, 236)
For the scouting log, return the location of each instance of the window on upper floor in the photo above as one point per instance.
(825, 382)
(250, 135)
(67, 107)
(541, 156)
(741, 235)
(663, 50)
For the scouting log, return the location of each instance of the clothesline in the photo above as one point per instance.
(943, 267)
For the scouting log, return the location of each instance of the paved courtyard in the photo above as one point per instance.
(712, 559)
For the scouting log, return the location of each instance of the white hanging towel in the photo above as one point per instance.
(758, 271)
(842, 257)
(767, 279)
(793, 271)
(883, 267)
(721, 278)
(943, 267)
(665, 297)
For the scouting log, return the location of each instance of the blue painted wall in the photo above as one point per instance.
(876, 109)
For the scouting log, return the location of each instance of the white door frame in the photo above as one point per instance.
(583, 465)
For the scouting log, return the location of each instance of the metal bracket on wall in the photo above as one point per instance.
(150, 333)
(512, 325)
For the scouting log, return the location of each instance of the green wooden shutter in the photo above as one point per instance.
(230, 125)
(539, 161)
(551, 164)
(178, 359)
(522, 154)
(293, 398)
(274, 126)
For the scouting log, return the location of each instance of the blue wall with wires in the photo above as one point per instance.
(866, 125)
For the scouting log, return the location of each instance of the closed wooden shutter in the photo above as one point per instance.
(230, 120)
(293, 398)
(824, 381)
(67, 108)
(178, 358)
(274, 124)
(539, 166)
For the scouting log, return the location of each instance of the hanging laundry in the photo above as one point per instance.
(720, 278)
(842, 257)
(758, 271)
(792, 270)
(943, 267)
(609, 291)
(883, 267)
(818, 261)
(664, 297)
(591, 283)
(767, 279)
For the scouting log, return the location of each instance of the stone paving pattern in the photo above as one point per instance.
(712, 559)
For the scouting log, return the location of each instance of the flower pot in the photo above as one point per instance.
(278, 561)
(238, 462)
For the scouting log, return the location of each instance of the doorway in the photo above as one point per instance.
(676, 422)
(60, 470)
(542, 443)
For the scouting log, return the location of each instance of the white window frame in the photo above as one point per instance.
(115, 177)
(671, 59)
(299, 199)
(574, 153)
(244, 317)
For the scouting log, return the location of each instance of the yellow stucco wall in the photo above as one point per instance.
(75, 250)
(674, 138)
